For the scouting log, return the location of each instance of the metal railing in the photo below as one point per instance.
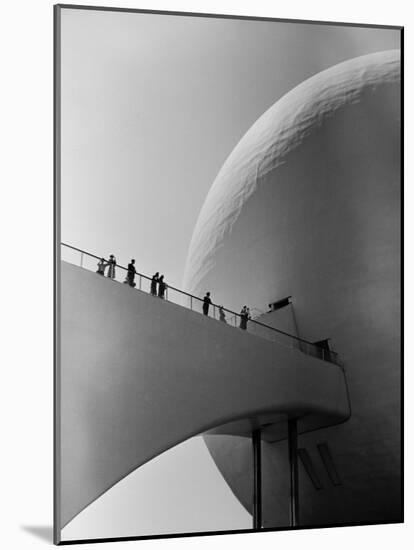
(220, 313)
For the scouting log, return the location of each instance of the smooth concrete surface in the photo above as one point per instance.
(140, 375)
(308, 205)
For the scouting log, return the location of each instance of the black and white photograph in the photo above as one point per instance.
(228, 228)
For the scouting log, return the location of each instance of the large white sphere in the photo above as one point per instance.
(308, 205)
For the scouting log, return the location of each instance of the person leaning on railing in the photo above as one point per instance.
(244, 317)
(162, 285)
(101, 266)
(131, 274)
(154, 282)
(222, 315)
(111, 267)
(206, 303)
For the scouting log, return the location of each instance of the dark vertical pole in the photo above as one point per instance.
(257, 480)
(293, 462)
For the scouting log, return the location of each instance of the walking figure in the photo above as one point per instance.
(206, 303)
(101, 267)
(222, 315)
(111, 267)
(131, 274)
(161, 287)
(155, 279)
(244, 317)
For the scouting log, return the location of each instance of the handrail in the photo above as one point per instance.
(233, 313)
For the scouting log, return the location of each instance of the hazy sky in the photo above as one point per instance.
(151, 107)
(176, 492)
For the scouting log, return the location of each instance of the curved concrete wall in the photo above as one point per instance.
(139, 375)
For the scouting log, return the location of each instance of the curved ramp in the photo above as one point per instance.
(140, 375)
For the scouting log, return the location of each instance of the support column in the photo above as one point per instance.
(293, 463)
(257, 479)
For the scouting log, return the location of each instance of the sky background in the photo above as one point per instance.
(151, 107)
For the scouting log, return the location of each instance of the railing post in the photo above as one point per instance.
(140, 282)
(191, 303)
(81, 259)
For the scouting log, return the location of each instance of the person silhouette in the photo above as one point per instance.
(206, 303)
(131, 273)
(222, 315)
(111, 267)
(161, 287)
(154, 282)
(101, 267)
(244, 317)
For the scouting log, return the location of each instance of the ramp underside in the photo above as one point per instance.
(139, 375)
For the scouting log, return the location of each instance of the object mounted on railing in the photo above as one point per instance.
(274, 306)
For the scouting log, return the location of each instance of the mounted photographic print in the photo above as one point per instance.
(228, 274)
